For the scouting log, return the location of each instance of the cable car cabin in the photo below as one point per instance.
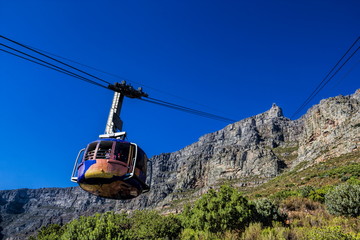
(113, 168)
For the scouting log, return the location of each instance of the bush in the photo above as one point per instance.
(191, 234)
(218, 211)
(148, 224)
(50, 232)
(329, 233)
(300, 204)
(284, 194)
(305, 191)
(252, 232)
(100, 226)
(267, 212)
(318, 195)
(344, 200)
(255, 231)
(140, 225)
(353, 180)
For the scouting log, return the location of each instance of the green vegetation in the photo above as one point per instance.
(327, 173)
(227, 214)
(218, 211)
(344, 200)
(139, 225)
(318, 202)
(286, 154)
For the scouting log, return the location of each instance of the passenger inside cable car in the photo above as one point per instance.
(113, 168)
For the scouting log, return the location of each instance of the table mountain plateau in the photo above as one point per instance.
(245, 153)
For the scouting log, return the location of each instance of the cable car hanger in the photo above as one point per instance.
(111, 167)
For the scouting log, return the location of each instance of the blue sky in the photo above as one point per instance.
(231, 58)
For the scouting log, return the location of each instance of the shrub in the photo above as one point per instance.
(139, 225)
(353, 180)
(252, 232)
(305, 191)
(329, 233)
(50, 232)
(290, 185)
(147, 224)
(344, 200)
(277, 232)
(100, 226)
(300, 204)
(267, 212)
(344, 178)
(217, 211)
(284, 194)
(318, 195)
(191, 234)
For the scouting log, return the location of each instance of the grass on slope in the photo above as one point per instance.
(330, 172)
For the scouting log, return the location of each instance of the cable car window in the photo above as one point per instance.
(90, 152)
(122, 152)
(130, 160)
(145, 163)
(105, 149)
(141, 160)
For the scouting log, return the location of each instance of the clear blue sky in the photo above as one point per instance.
(233, 58)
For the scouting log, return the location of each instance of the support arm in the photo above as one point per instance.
(114, 123)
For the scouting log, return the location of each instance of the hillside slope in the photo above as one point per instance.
(246, 153)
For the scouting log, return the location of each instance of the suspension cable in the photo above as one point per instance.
(189, 110)
(54, 59)
(325, 81)
(31, 58)
(49, 65)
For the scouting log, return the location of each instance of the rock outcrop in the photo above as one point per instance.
(243, 153)
(331, 128)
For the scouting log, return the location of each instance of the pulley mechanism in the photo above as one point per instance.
(114, 123)
(127, 90)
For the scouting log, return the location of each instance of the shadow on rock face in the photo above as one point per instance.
(2, 201)
(281, 165)
(17, 205)
(1, 229)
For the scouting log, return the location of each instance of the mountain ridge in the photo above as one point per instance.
(247, 153)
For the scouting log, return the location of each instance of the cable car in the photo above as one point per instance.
(112, 167)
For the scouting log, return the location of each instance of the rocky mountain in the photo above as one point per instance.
(245, 153)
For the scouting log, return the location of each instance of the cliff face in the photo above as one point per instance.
(245, 153)
(331, 128)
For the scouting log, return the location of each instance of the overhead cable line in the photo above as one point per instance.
(53, 68)
(122, 78)
(190, 109)
(54, 59)
(48, 65)
(31, 58)
(347, 73)
(326, 80)
(186, 109)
